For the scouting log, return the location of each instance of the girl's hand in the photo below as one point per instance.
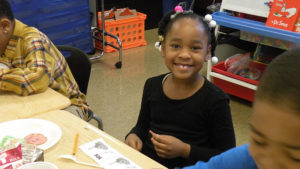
(134, 141)
(169, 147)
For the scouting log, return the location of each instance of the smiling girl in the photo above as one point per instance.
(183, 117)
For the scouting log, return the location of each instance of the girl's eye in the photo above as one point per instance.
(175, 46)
(196, 48)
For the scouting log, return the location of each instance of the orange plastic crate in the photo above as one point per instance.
(131, 32)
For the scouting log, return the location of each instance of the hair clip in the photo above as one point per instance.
(209, 20)
(214, 59)
(158, 43)
(178, 9)
(212, 24)
(160, 38)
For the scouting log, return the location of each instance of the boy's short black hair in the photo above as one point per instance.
(280, 83)
(5, 10)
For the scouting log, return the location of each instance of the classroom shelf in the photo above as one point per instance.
(224, 19)
(232, 85)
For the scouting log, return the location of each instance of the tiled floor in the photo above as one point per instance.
(115, 94)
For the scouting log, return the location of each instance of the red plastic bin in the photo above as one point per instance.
(131, 32)
(234, 89)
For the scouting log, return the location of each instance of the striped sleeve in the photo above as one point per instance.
(29, 72)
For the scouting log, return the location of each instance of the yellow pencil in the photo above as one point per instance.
(75, 144)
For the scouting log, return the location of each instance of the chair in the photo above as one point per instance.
(103, 33)
(80, 66)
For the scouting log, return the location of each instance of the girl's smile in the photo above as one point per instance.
(183, 67)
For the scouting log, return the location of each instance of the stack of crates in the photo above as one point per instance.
(131, 32)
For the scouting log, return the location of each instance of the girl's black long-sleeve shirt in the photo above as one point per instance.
(202, 120)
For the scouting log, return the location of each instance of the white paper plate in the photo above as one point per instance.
(38, 165)
(22, 127)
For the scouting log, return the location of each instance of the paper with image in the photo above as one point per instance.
(106, 156)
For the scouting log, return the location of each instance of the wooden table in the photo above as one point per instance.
(71, 124)
(16, 107)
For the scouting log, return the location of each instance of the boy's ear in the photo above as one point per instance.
(5, 25)
(208, 53)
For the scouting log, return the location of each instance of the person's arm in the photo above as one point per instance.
(221, 132)
(34, 76)
(235, 158)
(142, 126)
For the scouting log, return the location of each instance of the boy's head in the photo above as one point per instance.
(5, 10)
(281, 82)
(6, 24)
(275, 125)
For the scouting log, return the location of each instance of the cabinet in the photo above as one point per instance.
(251, 26)
(65, 22)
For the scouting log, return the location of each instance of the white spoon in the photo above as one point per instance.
(73, 158)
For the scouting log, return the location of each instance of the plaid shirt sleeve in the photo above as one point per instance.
(34, 65)
(28, 72)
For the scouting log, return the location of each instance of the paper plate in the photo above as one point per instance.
(23, 127)
(38, 165)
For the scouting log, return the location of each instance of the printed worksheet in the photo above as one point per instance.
(106, 156)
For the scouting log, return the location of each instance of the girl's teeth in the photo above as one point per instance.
(183, 66)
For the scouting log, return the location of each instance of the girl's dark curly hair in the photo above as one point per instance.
(166, 23)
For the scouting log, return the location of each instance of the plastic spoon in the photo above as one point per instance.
(73, 158)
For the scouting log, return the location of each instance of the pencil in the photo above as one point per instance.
(75, 144)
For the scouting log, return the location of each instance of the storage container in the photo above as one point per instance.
(235, 89)
(131, 32)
